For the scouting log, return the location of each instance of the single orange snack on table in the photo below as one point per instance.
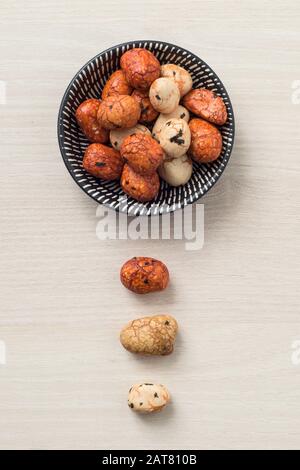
(143, 275)
(103, 162)
(141, 68)
(118, 111)
(116, 85)
(143, 188)
(207, 105)
(142, 153)
(206, 141)
(86, 116)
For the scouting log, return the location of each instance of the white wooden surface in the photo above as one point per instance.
(237, 300)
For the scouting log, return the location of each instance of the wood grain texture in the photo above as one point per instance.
(237, 300)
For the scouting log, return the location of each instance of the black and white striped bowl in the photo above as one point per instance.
(89, 82)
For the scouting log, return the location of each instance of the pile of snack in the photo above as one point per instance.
(150, 132)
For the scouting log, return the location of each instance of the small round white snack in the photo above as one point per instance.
(176, 171)
(116, 136)
(148, 397)
(164, 95)
(179, 113)
(181, 77)
(175, 137)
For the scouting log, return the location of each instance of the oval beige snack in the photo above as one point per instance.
(150, 335)
(176, 171)
(116, 136)
(164, 95)
(175, 137)
(179, 75)
(179, 113)
(148, 397)
(143, 275)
